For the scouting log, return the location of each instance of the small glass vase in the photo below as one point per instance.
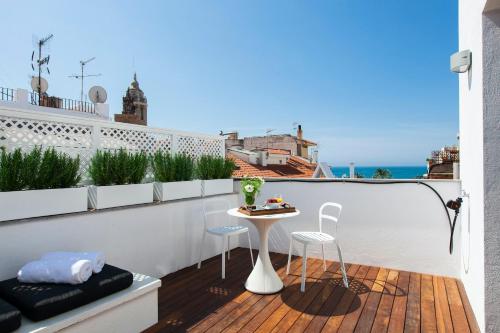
(249, 199)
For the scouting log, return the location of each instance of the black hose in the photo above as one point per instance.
(452, 231)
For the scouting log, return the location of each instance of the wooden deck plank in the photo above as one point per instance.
(398, 313)
(471, 319)
(228, 311)
(457, 310)
(207, 304)
(260, 313)
(443, 316)
(412, 317)
(378, 299)
(194, 306)
(195, 281)
(428, 310)
(226, 316)
(312, 292)
(365, 321)
(314, 309)
(383, 313)
(268, 304)
(214, 318)
(349, 321)
(295, 297)
(206, 280)
(339, 304)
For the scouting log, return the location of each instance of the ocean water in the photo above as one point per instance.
(398, 172)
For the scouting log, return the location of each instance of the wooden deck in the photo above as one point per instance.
(378, 300)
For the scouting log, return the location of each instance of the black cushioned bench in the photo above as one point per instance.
(43, 300)
(10, 317)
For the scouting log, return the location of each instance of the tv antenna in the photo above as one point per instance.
(268, 131)
(82, 76)
(41, 63)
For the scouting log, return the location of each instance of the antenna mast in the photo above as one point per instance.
(76, 76)
(40, 62)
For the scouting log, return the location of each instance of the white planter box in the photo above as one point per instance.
(119, 195)
(24, 204)
(177, 190)
(217, 186)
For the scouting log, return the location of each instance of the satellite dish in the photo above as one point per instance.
(44, 85)
(98, 94)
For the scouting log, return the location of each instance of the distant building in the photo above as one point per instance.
(444, 163)
(296, 145)
(135, 105)
(278, 156)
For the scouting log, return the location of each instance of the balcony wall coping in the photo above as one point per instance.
(106, 210)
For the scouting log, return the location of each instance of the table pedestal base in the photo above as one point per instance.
(263, 279)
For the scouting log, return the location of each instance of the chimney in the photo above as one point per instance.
(299, 132)
(352, 174)
(263, 157)
(314, 158)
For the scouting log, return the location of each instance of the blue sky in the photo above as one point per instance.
(368, 80)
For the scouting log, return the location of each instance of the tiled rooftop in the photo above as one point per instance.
(295, 168)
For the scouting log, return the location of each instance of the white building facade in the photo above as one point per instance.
(479, 32)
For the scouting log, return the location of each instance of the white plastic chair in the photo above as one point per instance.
(320, 238)
(218, 208)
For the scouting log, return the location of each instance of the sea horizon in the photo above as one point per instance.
(397, 171)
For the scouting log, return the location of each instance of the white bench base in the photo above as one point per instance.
(131, 310)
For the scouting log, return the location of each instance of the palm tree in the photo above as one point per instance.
(382, 174)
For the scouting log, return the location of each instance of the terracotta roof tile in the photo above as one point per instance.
(295, 168)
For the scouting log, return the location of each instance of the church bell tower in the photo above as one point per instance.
(135, 105)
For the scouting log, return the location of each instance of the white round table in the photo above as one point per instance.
(263, 279)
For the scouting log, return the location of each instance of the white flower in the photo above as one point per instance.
(249, 188)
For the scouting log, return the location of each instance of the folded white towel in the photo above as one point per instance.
(96, 258)
(56, 271)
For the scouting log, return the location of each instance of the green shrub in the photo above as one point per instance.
(56, 170)
(11, 171)
(31, 167)
(138, 166)
(70, 176)
(118, 168)
(121, 167)
(214, 167)
(172, 168)
(36, 170)
(381, 173)
(100, 169)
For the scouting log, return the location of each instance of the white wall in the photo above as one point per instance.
(401, 226)
(480, 159)
(491, 142)
(471, 155)
(152, 239)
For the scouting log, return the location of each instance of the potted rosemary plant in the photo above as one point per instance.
(118, 179)
(174, 175)
(216, 173)
(39, 183)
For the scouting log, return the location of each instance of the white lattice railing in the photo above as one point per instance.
(26, 129)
